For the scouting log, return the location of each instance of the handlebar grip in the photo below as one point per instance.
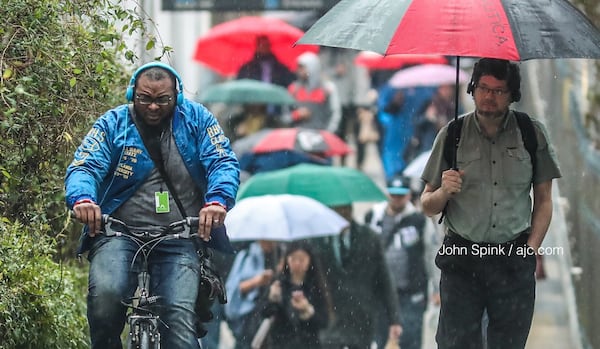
(193, 222)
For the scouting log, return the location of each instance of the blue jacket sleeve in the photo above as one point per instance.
(91, 162)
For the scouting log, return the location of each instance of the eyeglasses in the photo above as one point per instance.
(147, 100)
(495, 92)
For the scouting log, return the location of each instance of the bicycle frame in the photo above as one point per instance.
(142, 320)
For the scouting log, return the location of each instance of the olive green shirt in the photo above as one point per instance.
(494, 204)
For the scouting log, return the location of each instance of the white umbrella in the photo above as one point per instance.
(415, 168)
(282, 217)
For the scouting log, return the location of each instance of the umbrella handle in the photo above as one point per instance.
(454, 150)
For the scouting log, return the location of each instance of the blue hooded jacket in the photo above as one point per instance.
(112, 162)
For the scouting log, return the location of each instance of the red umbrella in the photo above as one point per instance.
(227, 46)
(306, 140)
(375, 61)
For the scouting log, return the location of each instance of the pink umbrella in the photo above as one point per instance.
(427, 75)
(375, 61)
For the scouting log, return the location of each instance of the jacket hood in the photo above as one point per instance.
(311, 62)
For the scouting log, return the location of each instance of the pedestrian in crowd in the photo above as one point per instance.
(298, 300)
(358, 278)
(434, 115)
(397, 111)
(247, 287)
(318, 103)
(353, 84)
(251, 119)
(407, 235)
(488, 209)
(120, 169)
(264, 66)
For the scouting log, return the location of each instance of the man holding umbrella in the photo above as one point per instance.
(265, 66)
(488, 258)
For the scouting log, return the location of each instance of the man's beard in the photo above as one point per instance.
(491, 114)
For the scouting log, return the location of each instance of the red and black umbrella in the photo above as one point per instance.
(321, 142)
(515, 30)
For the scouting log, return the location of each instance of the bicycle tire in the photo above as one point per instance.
(145, 340)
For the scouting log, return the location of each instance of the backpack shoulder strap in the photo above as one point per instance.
(529, 137)
(451, 141)
(450, 149)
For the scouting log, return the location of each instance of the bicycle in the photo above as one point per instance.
(142, 320)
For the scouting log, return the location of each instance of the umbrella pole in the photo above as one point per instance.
(454, 165)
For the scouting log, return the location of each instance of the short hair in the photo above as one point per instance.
(157, 74)
(501, 69)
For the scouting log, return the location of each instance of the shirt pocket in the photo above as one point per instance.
(516, 166)
(470, 162)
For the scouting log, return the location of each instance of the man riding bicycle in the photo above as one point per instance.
(120, 169)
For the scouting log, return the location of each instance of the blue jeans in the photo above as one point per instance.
(212, 338)
(412, 309)
(174, 270)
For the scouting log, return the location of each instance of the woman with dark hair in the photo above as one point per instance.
(298, 300)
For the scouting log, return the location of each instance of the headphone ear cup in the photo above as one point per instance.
(517, 96)
(129, 93)
(179, 98)
(470, 87)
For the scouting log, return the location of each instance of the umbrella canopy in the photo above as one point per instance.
(302, 139)
(427, 75)
(247, 91)
(506, 29)
(307, 140)
(332, 186)
(282, 218)
(376, 61)
(416, 167)
(227, 46)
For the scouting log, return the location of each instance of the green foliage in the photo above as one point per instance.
(61, 66)
(41, 303)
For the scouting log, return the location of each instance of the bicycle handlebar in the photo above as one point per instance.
(181, 229)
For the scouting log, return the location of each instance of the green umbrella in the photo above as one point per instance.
(246, 91)
(331, 185)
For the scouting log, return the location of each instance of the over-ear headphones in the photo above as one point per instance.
(501, 69)
(470, 87)
(131, 88)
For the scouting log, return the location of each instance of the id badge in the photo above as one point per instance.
(161, 200)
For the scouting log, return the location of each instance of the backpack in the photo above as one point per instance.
(527, 134)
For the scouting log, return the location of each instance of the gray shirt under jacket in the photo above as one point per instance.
(494, 204)
(140, 210)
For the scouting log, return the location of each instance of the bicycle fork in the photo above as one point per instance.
(143, 324)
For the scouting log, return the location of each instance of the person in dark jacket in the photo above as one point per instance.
(408, 238)
(265, 66)
(357, 276)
